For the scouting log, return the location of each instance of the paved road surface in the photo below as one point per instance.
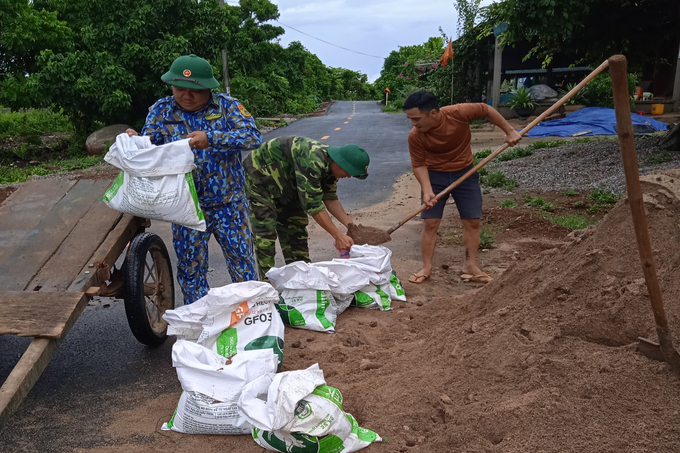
(101, 369)
(382, 135)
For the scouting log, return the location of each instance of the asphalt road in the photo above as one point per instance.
(101, 369)
(382, 135)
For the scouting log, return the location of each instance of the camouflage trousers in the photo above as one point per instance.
(269, 219)
(229, 224)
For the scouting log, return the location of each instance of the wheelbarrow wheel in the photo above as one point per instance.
(148, 288)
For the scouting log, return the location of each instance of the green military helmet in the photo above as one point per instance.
(190, 71)
(351, 158)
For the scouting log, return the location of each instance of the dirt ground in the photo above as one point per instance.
(541, 359)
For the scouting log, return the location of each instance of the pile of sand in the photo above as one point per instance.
(543, 358)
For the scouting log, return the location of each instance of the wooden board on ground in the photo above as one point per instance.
(35, 314)
(39, 245)
(23, 210)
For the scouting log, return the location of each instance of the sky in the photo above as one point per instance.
(374, 27)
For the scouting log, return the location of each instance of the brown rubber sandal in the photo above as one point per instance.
(415, 278)
(479, 278)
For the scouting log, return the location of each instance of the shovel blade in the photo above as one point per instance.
(650, 349)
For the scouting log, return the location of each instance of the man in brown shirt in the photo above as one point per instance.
(439, 144)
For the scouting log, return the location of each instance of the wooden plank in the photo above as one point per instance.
(23, 210)
(109, 251)
(41, 243)
(66, 263)
(36, 314)
(31, 365)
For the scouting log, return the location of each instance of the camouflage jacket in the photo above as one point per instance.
(294, 169)
(219, 176)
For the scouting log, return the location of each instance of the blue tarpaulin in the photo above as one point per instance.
(597, 120)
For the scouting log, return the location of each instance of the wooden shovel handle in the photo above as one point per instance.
(505, 146)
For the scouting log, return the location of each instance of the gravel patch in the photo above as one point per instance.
(594, 165)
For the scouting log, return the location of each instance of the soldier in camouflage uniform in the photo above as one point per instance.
(290, 178)
(219, 128)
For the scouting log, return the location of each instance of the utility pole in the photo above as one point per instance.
(497, 64)
(676, 85)
(225, 64)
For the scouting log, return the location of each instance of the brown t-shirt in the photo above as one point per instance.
(446, 147)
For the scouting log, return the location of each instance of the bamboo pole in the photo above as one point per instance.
(624, 128)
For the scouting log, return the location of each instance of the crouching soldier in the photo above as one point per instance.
(290, 178)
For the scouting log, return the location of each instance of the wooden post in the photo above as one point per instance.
(225, 66)
(676, 85)
(624, 127)
(497, 62)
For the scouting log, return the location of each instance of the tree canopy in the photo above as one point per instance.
(101, 60)
(592, 30)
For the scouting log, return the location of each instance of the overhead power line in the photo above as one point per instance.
(319, 39)
(329, 43)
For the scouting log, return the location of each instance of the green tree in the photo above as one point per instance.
(635, 28)
(101, 60)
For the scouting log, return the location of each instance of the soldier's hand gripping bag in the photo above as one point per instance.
(211, 387)
(297, 411)
(231, 319)
(305, 296)
(155, 181)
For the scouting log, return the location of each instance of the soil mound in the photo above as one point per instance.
(543, 358)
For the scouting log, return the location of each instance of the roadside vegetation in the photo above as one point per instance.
(63, 75)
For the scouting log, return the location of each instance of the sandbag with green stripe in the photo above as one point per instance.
(296, 411)
(305, 298)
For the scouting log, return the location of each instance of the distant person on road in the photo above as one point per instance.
(439, 144)
(289, 178)
(219, 128)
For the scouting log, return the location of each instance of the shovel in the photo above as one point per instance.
(374, 236)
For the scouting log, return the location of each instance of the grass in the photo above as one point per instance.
(569, 193)
(579, 205)
(603, 196)
(548, 207)
(394, 106)
(12, 175)
(571, 221)
(498, 179)
(534, 201)
(509, 204)
(486, 239)
(656, 159)
(32, 123)
(515, 153)
(595, 208)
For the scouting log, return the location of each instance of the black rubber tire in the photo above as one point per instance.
(148, 248)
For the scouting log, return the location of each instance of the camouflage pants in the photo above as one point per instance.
(229, 224)
(269, 219)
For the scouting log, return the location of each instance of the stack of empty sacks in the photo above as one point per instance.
(313, 295)
(225, 340)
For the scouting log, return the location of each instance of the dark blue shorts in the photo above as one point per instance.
(468, 195)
